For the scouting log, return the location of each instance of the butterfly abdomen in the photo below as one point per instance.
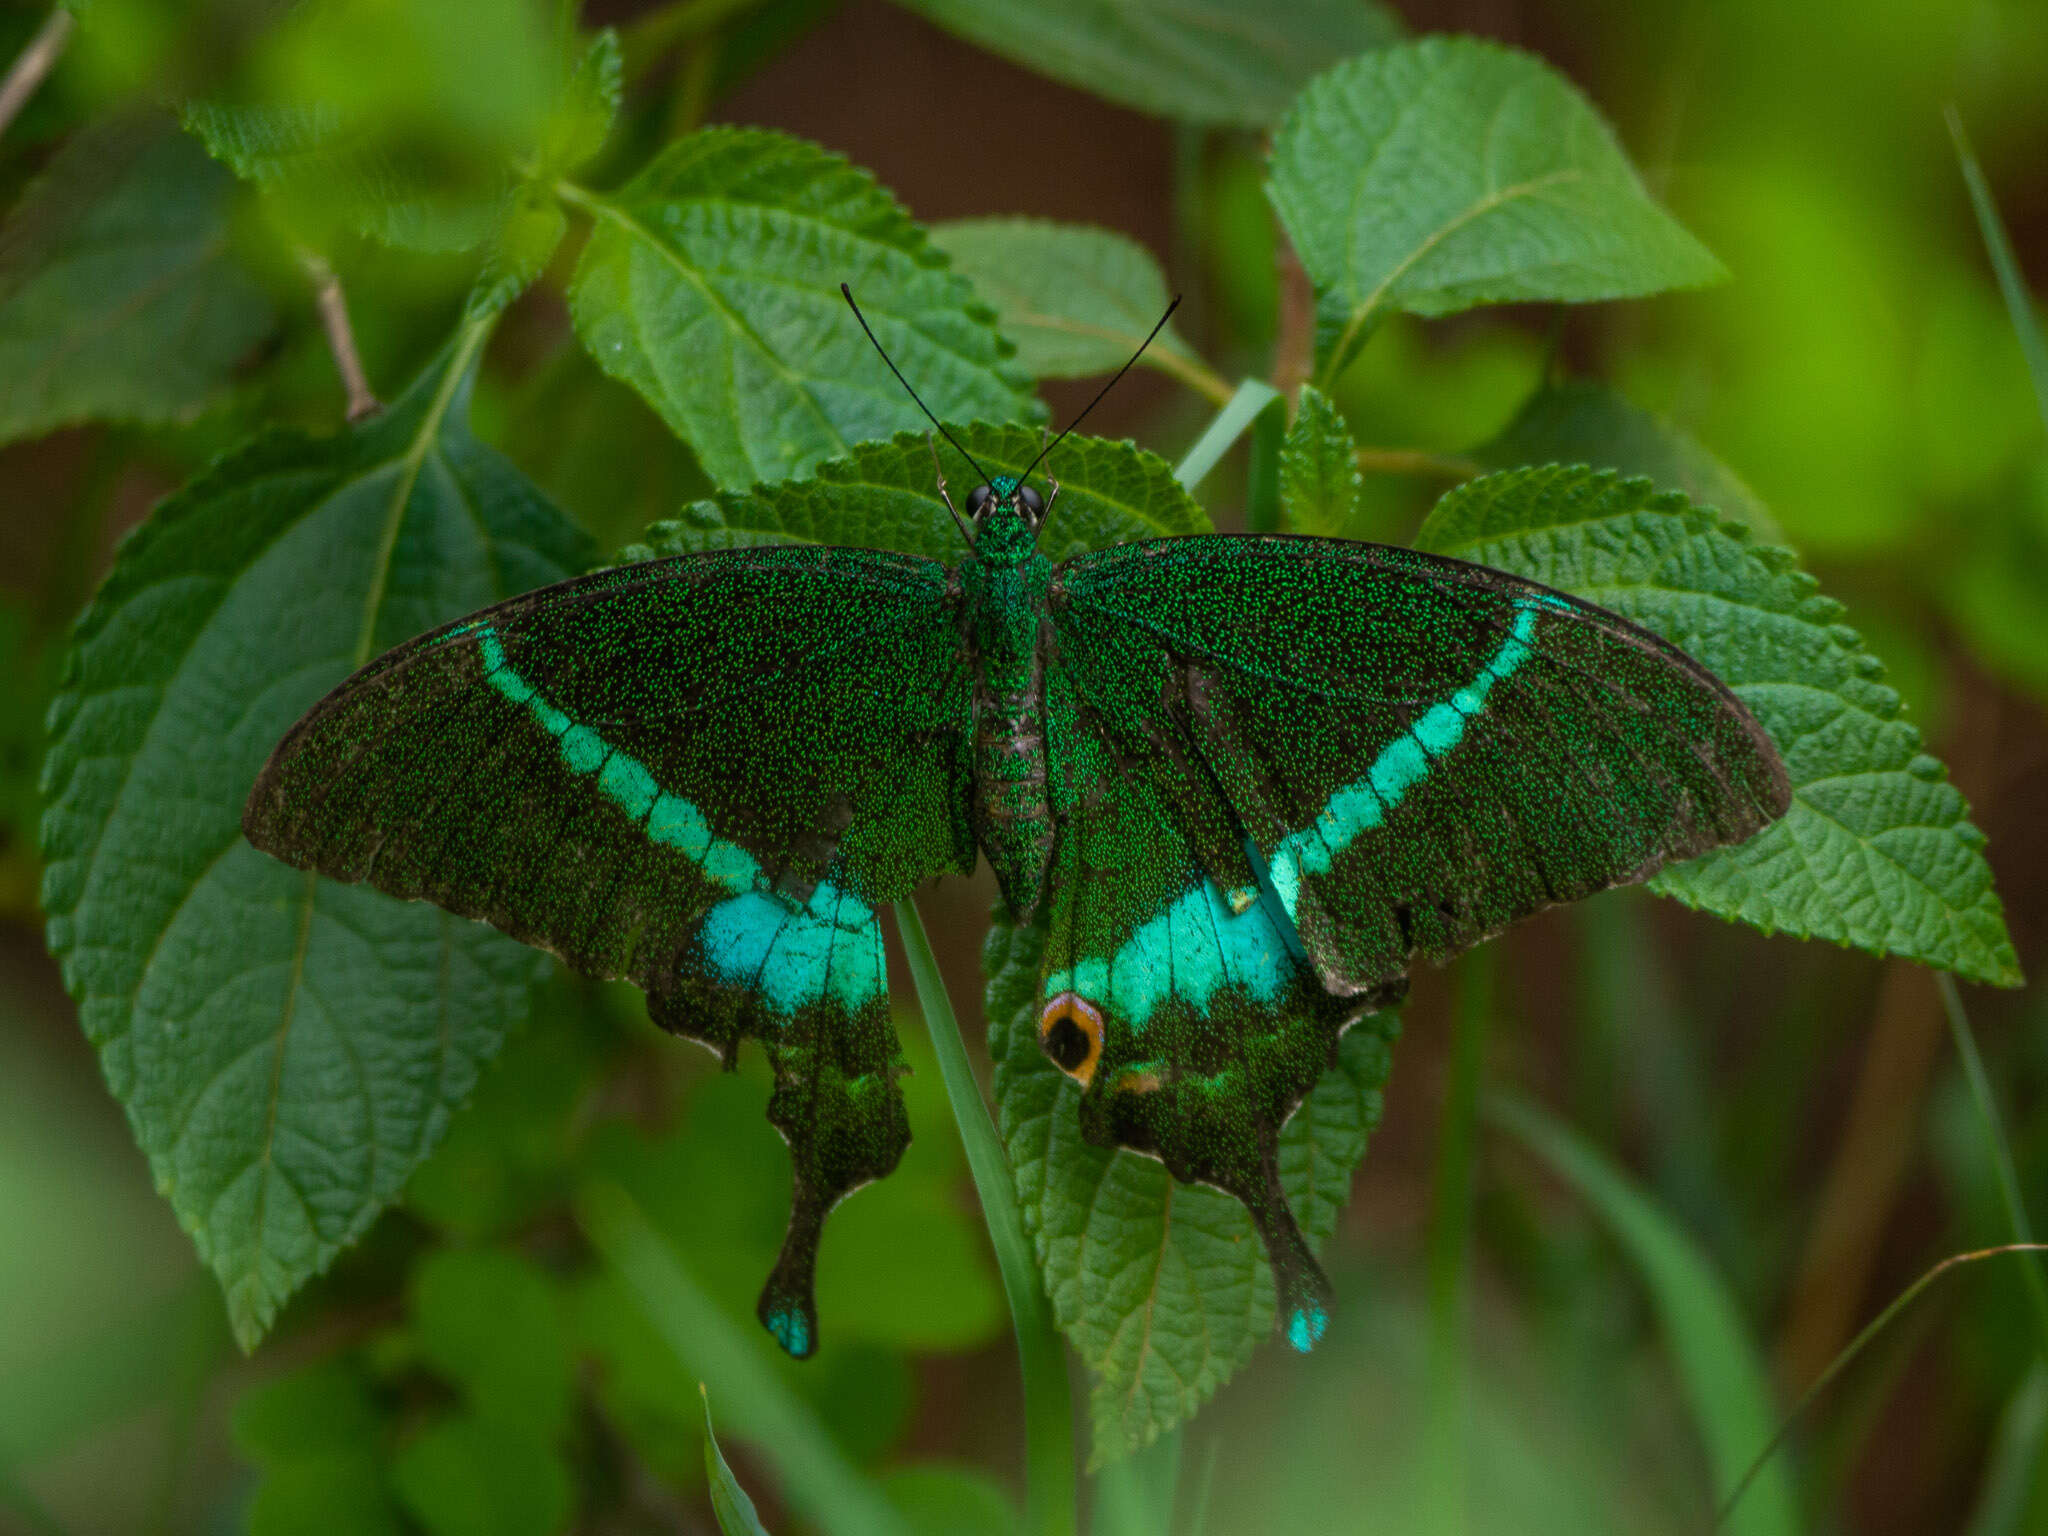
(1013, 820)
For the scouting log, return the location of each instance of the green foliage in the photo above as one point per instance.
(882, 495)
(400, 124)
(1436, 175)
(1076, 300)
(258, 1023)
(1319, 479)
(1207, 62)
(1163, 1288)
(1877, 850)
(711, 285)
(119, 253)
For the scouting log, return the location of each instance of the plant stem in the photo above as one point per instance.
(1996, 1148)
(1050, 1486)
(1135, 1496)
(341, 340)
(1450, 1248)
(1294, 350)
(33, 63)
(1243, 408)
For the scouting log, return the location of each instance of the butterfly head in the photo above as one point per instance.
(1006, 516)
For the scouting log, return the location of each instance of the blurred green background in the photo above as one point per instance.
(1797, 1110)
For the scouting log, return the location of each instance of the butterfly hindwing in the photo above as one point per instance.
(1286, 766)
(1406, 751)
(1193, 1021)
(704, 774)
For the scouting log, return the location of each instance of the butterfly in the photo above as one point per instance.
(1244, 780)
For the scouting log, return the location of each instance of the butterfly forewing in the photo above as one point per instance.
(704, 774)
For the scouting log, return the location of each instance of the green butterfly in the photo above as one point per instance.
(1247, 780)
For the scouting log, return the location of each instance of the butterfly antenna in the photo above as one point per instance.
(1048, 448)
(863, 319)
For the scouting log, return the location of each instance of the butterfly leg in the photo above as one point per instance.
(931, 442)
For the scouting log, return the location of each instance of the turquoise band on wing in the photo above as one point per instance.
(830, 947)
(1200, 944)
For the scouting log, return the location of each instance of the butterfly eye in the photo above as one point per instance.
(978, 500)
(1070, 1034)
(1032, 503)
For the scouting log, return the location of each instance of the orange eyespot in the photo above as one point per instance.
(1070, 1034)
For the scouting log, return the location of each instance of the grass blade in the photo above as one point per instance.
(1450, 1252)
(2026, 324)
(1719, 1371)
(1997, 1149)
(1050, 1487)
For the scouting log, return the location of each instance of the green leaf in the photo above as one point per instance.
(484, 1477)
(318, 1439)
(1877, 851)
(711, 285)
(287, 1048)
(1319, 480)
(119, 297)
(319, 1407)
(583, 114)
(1581, 422)
(735, 1512)
(1195, 61)
(883, 495)
(492, 1322)
(1719, 1369)
(1075, 299)
(1163, 1288)
(1437, 175)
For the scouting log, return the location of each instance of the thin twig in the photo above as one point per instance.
(1294, 351)
(1849, 1352)
(341, 341)
(36, 61)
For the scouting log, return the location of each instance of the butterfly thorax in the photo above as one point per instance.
(1004, 584)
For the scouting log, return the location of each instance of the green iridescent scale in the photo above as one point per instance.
(1251, 778)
